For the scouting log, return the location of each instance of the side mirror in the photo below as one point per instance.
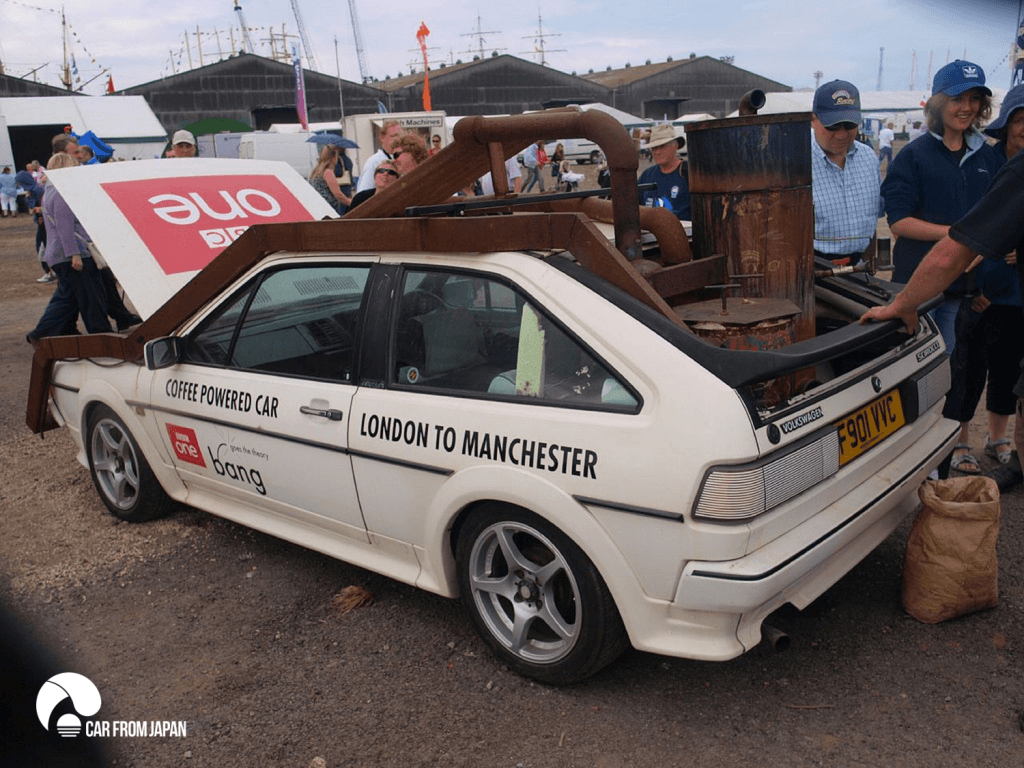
(163, 353)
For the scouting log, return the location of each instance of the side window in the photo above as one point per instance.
(470, 333)
(301, 321)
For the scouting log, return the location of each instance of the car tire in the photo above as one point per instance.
(595, 157)
(120, 472)
(535, 597)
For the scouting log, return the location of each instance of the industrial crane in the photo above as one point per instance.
(310, 57)
(359, 42)
(247, 45)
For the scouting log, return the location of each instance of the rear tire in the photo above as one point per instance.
(535, 597)
(120, 472)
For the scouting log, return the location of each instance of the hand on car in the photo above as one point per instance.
(891, 312)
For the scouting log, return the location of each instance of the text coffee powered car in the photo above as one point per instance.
(483, 407)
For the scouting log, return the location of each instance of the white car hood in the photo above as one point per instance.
(158, 222)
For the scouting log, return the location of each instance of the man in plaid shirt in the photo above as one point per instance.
(845, 174)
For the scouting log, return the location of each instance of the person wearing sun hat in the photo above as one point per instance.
(845, 179)
(930, 185)
(668, 172)
(1008, 128)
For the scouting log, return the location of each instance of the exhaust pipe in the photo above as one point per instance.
(751, 102)
(775, 637)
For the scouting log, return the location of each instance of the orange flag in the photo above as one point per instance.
(421, 36)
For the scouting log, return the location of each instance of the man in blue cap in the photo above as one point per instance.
(845, 176)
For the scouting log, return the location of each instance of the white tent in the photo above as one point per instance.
(124, 122)
(629, 122)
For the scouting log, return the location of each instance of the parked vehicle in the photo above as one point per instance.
(501, 409)
(291, 148)
(577, 150)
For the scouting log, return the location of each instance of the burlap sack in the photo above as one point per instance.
(950, 567)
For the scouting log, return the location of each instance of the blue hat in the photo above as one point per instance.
(1014, 100)
(959, 76)
(837, 102)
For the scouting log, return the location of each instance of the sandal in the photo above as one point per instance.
(965, 463)
(992, 448)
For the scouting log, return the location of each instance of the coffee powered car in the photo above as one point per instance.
(573, 437)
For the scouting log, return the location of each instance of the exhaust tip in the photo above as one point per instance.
(775, 637)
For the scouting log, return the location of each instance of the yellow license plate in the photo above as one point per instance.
(866, 428)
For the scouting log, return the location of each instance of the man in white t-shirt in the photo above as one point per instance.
(390, 133)
(885, 137)
(512, 171)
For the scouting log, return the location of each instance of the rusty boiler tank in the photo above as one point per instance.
(750, 187)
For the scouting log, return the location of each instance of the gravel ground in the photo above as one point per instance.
(239, 635)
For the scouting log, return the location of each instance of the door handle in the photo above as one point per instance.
(325, 413)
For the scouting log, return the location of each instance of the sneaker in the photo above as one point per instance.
(47, 278)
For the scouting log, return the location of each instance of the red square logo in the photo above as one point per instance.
(185, 445)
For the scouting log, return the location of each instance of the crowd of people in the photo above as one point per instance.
(86, 288)
(936, 180)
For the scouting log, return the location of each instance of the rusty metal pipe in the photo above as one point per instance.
(660, 222)
(751, 102)
(468, 157)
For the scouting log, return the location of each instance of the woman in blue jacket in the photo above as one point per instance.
(933, 182)
(990, 327)
(939, 176)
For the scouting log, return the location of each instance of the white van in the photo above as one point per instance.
(291, 148)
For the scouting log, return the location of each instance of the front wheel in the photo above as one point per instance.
(595, 157)
(120, 472)
(535, 598)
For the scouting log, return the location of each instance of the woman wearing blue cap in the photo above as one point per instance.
(992, 325)
(932, 183)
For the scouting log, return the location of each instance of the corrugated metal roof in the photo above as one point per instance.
(397, 83)
(109, 117)
(618, 77)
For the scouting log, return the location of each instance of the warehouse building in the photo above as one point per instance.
(671, 89)
(495, 85)
(251, 89)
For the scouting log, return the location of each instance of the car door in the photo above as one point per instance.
(255, 416)
(476, 374)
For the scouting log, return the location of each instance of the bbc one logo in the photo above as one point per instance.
(70, 690)
(185, 221)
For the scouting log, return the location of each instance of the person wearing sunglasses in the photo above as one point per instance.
(845, 180)
(383, 175)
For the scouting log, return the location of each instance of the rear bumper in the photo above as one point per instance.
(718, 607)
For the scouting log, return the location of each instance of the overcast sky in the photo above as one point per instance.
(785, 40)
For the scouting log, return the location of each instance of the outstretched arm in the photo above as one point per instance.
(940, 267)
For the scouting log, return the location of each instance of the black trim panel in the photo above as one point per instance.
(234, 425)
(645, 511)
(738, 368)
(297, 441)
(402, 463)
